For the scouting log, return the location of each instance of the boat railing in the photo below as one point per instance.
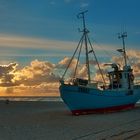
(85, 83)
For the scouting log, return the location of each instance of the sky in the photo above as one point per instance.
(37, 37)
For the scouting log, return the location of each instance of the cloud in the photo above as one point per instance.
(37, 73)
(65, 62)
(138, 32)
(7, 74)
(52, 2)
(36, 78)
(29, 42)
(133, 61)
(42, 77)
(84, 5)
(133, 53)
(10, 43)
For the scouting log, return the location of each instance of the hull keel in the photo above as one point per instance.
(102, 110)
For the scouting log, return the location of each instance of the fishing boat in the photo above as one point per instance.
(82, 95)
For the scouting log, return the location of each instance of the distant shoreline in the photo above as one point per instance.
(31, 98)
(35, 98)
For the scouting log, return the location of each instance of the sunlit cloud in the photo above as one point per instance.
(133, 61)
(28, 42)
(64, 63)
(37, 78)
(42, 77)
(21, 42)
(37, 73)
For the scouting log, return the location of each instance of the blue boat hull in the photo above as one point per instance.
(83, 100)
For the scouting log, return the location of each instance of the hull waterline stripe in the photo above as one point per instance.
(102, 110)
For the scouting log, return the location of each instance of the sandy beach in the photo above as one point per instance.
(22, 120)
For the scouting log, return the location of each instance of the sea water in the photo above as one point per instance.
(32, 98)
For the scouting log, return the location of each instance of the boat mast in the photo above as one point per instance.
(86, 41)
(122, 36)
(85, 32)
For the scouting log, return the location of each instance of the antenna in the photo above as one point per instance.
(123, 36)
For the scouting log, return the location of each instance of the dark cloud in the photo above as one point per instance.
(7, 74)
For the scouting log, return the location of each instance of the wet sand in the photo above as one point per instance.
(53, 121)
